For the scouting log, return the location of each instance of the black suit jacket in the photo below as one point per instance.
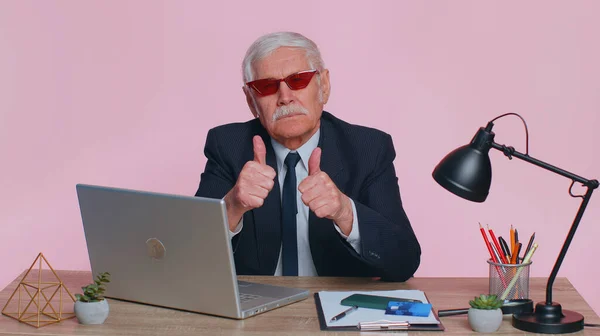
(359, 160)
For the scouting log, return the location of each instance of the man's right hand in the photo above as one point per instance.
(252, 187)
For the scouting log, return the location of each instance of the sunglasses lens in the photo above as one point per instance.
(265, 87)
(299, 80)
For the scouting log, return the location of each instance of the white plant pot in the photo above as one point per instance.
(91, 312)
(485, 320)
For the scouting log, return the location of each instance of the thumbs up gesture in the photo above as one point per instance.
(323, 197)
(253, 185)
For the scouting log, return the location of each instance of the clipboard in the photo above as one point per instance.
(379, 325)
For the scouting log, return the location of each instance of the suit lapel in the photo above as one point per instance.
(331, 160)
(267, 219)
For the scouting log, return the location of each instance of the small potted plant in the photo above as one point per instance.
(485, 314)
(91, 307)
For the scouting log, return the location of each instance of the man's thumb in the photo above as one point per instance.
(260, 151)
(314, 162)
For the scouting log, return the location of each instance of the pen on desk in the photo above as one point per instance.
(344, 313)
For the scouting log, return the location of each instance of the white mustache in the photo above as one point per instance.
(285, 110)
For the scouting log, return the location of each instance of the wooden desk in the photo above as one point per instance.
(299, 318)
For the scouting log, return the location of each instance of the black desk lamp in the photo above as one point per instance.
(467, 172)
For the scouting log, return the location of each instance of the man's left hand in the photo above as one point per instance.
(323, 197)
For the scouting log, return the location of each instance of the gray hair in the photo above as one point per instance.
(267, 44)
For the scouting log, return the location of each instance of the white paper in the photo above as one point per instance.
(330, 302)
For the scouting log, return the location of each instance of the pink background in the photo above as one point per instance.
(122, 93)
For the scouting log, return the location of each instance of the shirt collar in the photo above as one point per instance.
(304, 151)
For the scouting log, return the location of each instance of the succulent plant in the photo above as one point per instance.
(488, 302)
(93, 292)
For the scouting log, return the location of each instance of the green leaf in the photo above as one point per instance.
(94, 291)
(486, 302)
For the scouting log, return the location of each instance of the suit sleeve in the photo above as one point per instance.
(218, 178)
(387, 240)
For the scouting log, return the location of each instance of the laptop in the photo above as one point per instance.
(170, 251)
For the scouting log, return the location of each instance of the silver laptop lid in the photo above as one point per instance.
(167, 250)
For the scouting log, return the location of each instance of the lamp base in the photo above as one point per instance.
(549, 319)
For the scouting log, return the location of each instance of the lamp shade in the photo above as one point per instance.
(467, 171)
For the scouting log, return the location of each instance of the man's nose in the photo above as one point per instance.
(286, 95)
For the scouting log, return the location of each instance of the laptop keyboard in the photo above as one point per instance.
(247, 297)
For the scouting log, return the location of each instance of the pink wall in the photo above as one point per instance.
(123, 93)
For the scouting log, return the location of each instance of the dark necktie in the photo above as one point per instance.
(289, 209)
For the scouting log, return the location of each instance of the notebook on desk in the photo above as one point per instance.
(329, 304)
(170, 251)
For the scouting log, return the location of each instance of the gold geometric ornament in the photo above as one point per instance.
(38, 295)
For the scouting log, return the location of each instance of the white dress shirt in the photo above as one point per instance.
(306, 267)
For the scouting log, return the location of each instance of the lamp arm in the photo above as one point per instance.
(510, 152)
(590, 184)
(565, 247)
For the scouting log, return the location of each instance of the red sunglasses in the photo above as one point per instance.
(295, 81)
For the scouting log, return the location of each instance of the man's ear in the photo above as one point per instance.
(251, 101)
(325, 85)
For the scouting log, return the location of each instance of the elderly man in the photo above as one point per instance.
(306, 193)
